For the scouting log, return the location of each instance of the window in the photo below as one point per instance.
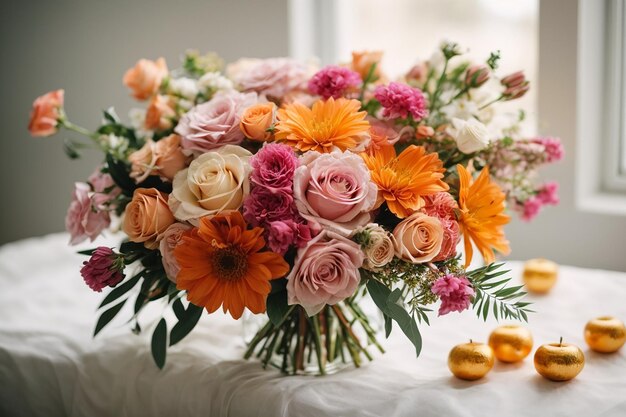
(409, 30)
(601, 124)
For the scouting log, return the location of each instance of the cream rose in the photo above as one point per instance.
(470, 135)
(214, 182)
(147, 216)
(418, 238)
(378, 247)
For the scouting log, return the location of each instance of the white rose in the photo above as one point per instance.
(214, 182)
(380, 249)
(184, 87)
(470, 135)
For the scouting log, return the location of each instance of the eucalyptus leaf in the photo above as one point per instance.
(159, 343)
(107, 316)
(120, 290)
(185, 324)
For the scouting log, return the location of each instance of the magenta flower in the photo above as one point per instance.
(264, 205)
(548, 194)
(104, 268)
(553, 148)
(531, 208)
(273, 166)
(454, 292)
(333, 81)
(282, 234)
(399, 100)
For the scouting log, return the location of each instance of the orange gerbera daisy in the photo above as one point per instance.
(481, 206)
(329, 124)
(221, 263)
(402, 180)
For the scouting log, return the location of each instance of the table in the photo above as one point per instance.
(51, 366)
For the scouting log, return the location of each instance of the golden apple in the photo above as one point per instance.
(511, 343)
(559, 361)
(471, 360)
(540, 275)
(605, 334)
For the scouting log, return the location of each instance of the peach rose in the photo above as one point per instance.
(160, 113)
(164, 158)
(257, 119)
(171, 238)
(47, 109)
(214, 182)
(147, 216)
(145, 78)
(378, 246)
(418, 238)
(363, 61)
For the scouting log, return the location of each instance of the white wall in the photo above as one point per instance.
(85, 47)
(565, 234)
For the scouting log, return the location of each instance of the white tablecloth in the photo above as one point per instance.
(51, 366)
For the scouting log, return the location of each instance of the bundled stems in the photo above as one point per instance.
(301, 343)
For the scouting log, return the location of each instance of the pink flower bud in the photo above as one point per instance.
(514, 80)
(512, 93)
(476, 76)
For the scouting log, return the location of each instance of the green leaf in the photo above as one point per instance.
(120, 290)
(407, 325)
(179, 308)
(387, 302)
(110, 116)
(185, 324)
(159, 343)
(87, 252)
(388, 325)
(107, 316)
(277, 307)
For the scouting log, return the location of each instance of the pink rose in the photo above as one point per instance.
(105, 191)
(264, 205)
(214, 123)
(84, 219)
(274, 77)
(335, 190)
(326, 271)
(169, 240)
(44, 118)
(418, 238)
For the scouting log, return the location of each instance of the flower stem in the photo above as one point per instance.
(491, 102)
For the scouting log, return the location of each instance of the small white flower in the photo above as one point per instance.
(214, 81)
(460, 108)
(137, 121)
(184, 87)
(115, 145)
(470, 135)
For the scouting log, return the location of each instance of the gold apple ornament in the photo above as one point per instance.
(470, 361)
(540, 275)
(605, 334)
(559, 361)
(511, 343)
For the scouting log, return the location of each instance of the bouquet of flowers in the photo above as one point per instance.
(279, 188)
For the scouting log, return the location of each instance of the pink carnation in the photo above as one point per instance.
(264, 205)
(283, 234)
(531, 208)
(85, 217)
(104, 268)
(553, 148)
(399, 100)
(334, 81)
(454, 292)
(273, 166)
(548, 194)
(440, 205)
